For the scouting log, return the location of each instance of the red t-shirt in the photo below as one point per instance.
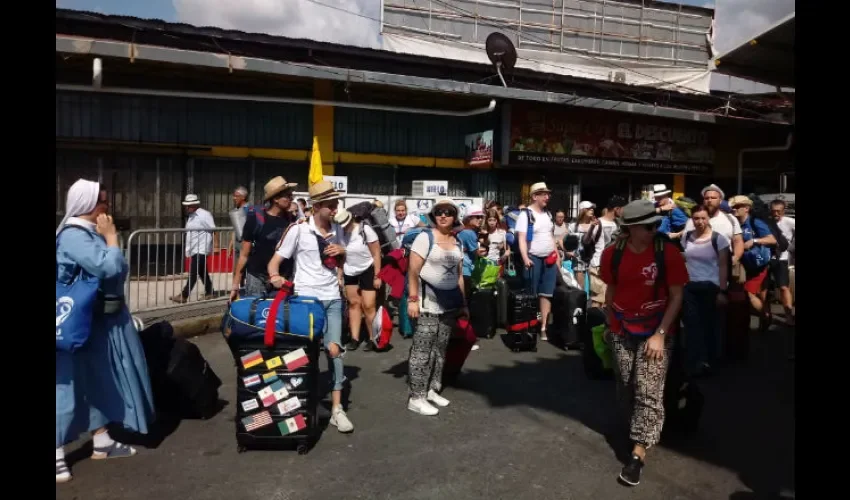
(634, 297)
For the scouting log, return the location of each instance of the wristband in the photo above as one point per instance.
(414, 298)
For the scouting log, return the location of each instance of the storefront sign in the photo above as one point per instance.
(479, 149)
(340, 182)
(604, 140)
(430, 189)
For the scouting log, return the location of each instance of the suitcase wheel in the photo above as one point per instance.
(241, 449)
(303, 448)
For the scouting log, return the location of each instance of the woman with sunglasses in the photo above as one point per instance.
(436, 300)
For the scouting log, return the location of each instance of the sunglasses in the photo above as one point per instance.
(447, 212)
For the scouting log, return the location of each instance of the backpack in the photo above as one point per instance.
(761, 210)
(367, 212)
(259, 213)
(511, 218)
(589, 241)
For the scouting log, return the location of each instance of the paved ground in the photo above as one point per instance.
(525, 425)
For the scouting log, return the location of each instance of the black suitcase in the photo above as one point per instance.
(683, 399)
(183, 383)
(593, 367)
(523, 321)
(483, 312)
(289, 419)
(569, 315)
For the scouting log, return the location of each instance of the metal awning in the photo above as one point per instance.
(117, 49)
(766, 58)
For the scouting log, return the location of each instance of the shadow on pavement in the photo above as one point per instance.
(747, 425)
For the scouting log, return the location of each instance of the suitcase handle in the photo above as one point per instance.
(268, 338)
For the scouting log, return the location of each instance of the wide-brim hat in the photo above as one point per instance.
(640, 212)
(191, 199)
(323, 191)
(660, 190)
(539, 187)
(343, 217)
(276, 186)
(713, 187)
(442, 203)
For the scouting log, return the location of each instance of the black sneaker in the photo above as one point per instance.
(631, 472)
(368, 345)
(352, 345)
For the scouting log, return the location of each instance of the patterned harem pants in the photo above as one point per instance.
(640, 386)
(428, 352)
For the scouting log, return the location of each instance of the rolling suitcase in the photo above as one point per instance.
(482, 311)
(460, 344)
(183, 383)
(737, 338)
(277, 382)
(569, 314)
(523, 322)
(592, 352)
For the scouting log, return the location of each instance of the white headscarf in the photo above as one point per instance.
(82, 199)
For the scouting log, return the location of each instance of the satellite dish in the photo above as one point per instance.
(501, 52)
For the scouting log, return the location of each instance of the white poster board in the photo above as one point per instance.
(340, 182)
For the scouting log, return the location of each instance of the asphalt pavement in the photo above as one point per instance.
(520, 425)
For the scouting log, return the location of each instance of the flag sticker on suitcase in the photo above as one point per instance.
(269, 377)
(253, 422)
(292, 425)
(289, 405)
(251, 380)
(274, 362)
(252, 359)
(250, 404)
(296, 359)
(273, 393)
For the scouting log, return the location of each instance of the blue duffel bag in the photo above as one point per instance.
(298, 316)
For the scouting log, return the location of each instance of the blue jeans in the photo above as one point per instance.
(541, 278)
(702, 342)
(333, 335)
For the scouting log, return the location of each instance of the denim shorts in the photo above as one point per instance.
(333, 335)
(541, 278)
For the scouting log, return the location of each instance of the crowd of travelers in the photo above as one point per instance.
(652, 265)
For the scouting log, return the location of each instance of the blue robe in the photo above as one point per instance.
(107, 379)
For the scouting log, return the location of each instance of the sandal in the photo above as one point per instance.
(115, 450)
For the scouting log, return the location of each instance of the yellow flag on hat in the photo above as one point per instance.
(315, 174)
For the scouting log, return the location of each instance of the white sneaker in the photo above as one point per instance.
(340, 420)
(438, 400)
(421, 406)
(63, 474)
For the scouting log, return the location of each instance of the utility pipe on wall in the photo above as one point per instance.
(786, 147)
(286, 100)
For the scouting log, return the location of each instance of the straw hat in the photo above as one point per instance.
(276, 186)
(740, 200)
(343, 217)
(323, 191)
(539, 187)
(660, 190)
(191, 199)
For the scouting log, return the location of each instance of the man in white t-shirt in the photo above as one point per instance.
(780, 267)
(539, 255)
(609, 220)
(723, 223)
(403, 221)
(317, 248)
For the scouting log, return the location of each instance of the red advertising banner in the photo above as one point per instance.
(479, 149)
(605, 140)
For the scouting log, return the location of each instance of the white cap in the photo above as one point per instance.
(472, 211)
(585, 205)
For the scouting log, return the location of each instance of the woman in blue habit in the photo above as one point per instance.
(106, 380)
